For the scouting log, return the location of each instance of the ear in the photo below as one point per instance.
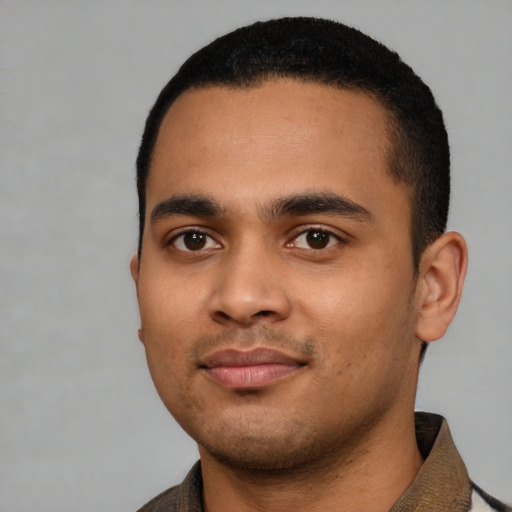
(134, 271)
(441, 278)
(134, 268)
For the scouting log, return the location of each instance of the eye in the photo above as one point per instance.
(191, 241)
(315, 239)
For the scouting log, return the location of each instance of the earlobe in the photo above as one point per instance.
(440, 282)
(134, 271)
(134, 268)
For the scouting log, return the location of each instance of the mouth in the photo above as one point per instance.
(249, 370)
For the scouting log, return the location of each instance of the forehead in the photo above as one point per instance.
(303, 109)
(282, 135)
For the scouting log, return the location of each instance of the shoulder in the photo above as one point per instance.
(166, 501)
(185, 497)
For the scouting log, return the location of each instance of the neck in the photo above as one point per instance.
(371, 477)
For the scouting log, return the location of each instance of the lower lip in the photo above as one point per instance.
(250, 377)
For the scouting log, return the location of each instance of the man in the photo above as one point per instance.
(293, 264)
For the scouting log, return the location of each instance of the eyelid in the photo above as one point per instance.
(175, 234)
(341, 236)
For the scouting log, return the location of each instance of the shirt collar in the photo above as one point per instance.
(441, 484)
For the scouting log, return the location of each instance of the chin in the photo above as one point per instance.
(264, 452)
(254, 456)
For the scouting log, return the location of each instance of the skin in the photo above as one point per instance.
(335, 429)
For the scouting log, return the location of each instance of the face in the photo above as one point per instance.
(276, 285)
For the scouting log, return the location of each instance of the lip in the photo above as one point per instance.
(246, 370)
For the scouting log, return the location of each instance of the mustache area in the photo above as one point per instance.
(259, 337)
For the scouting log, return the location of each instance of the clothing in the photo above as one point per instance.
(442, 485)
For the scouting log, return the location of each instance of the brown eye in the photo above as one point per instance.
(318, 239)
(315, 239)
(194, 241)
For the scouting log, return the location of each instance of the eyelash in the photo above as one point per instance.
(175, 238)
(316, 229)
(303, 232)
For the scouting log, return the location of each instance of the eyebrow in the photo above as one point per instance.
(197, 206)
(300, 204)
(314, 203)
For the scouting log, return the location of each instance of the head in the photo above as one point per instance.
(293, 186)
(329, 53)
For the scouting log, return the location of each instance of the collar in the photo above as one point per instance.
(441, 484)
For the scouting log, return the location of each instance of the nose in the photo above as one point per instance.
(249, 288)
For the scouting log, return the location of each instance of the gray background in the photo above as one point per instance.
(82, 428)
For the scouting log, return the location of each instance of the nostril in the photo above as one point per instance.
(247, 303)
(222, 316)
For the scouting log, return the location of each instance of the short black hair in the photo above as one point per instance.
(330, 53)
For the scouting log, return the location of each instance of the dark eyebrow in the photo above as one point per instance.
(312, 203)
(197, 206)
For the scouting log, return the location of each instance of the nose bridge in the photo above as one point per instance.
(248, 286)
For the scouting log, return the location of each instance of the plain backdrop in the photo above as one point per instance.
(82, 428)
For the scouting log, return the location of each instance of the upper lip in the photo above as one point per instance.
(234, 357)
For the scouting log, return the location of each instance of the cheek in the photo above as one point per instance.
(359, 312)
(167, 320)
(169, 304)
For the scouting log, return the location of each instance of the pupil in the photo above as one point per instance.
(194, 241)
(317, 239)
